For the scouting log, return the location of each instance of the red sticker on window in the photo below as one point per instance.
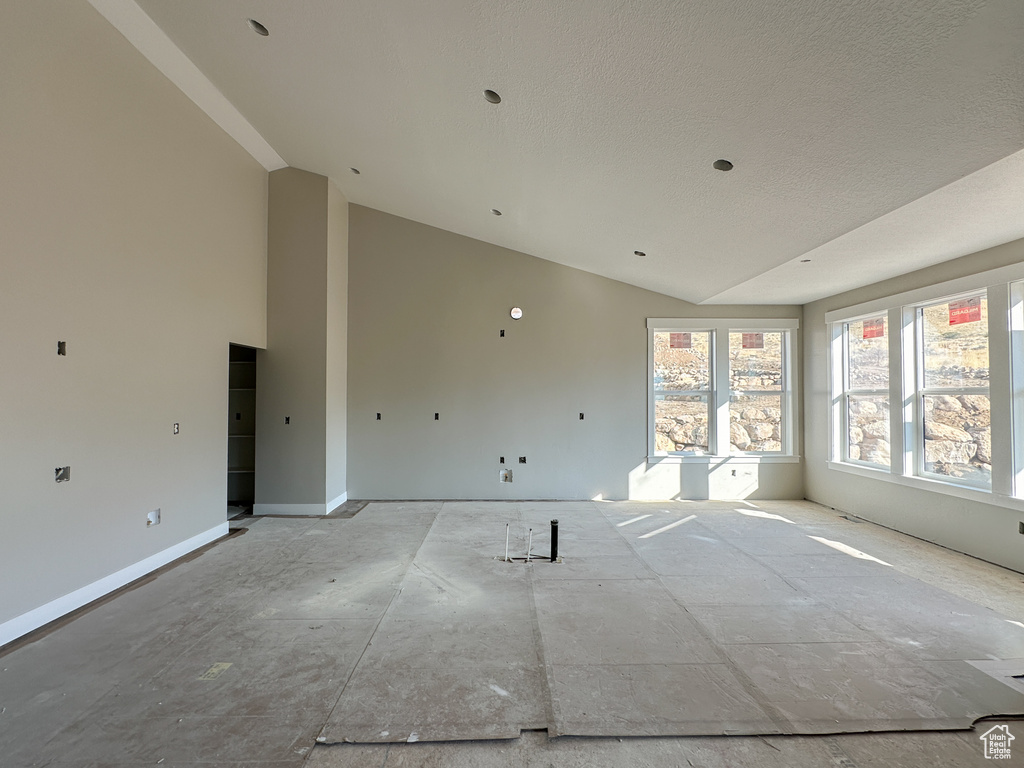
(965, 310)
(679, 341)
(753, 341)
(874, 329)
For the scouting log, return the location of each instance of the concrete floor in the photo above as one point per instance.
(668, 633)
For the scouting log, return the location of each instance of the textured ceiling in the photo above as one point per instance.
(865, 135)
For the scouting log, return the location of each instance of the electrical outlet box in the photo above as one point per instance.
(522, 459)
(1020, 527)
(504, 475)
(153, 518)
(176, 428)
(62, 348)
(62, 474)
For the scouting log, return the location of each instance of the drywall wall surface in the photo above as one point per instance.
(983, 530)
(426, 308)
(292, 370)
(337, 343)
(133, 229)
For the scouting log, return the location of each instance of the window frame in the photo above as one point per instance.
(707, 394)
(719, 396)
(1004, 289)
(847, 391)
(920, 390)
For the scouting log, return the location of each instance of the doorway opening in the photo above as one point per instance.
(241, 430)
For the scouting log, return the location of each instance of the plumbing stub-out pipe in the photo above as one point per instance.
(554, 540)
(529, 547)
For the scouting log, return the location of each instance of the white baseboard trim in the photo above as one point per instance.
(44, 614)
(333, 505)
(289, 509)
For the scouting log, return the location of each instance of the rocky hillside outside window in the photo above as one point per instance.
(721, 388)
(756, 386)
(953, 391)
(682, 388)
(865, 406)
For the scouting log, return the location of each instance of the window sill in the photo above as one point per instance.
(935, 486)
(749, 458)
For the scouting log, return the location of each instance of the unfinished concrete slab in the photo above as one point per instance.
(404, 623)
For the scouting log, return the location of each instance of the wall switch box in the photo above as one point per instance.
(522, 459)
(287, 419)
(153, 518)
(504, 475)
(176, 428)
(62, 474)
(62, 348)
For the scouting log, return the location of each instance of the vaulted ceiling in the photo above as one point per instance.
(868, 138)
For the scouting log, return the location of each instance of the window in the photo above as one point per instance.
(954, 424)
(682, 388)
(721, 388)
(756, 392)
(865, 401)
(912, 392)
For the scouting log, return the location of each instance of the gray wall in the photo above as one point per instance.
(301, 373)
(292, 371)
(980, 529)
(132, 227)
(425, 310)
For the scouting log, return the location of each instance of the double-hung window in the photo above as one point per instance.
(721, 388)
(757, 391)
(682, 391)
(952, 398)
(865, 396)
(911, 389)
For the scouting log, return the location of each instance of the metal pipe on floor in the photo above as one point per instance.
(554, 540)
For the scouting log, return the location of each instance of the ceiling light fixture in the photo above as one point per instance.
(495, 211)
(356, 171)
(639, 253)
(258, 28)
(722, 165)
(492, 97)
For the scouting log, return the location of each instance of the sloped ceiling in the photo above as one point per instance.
(871, 137)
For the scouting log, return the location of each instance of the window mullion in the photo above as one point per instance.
(1000, 389)
(722, 393)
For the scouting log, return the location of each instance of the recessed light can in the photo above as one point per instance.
(722, 165)
(492, 96)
